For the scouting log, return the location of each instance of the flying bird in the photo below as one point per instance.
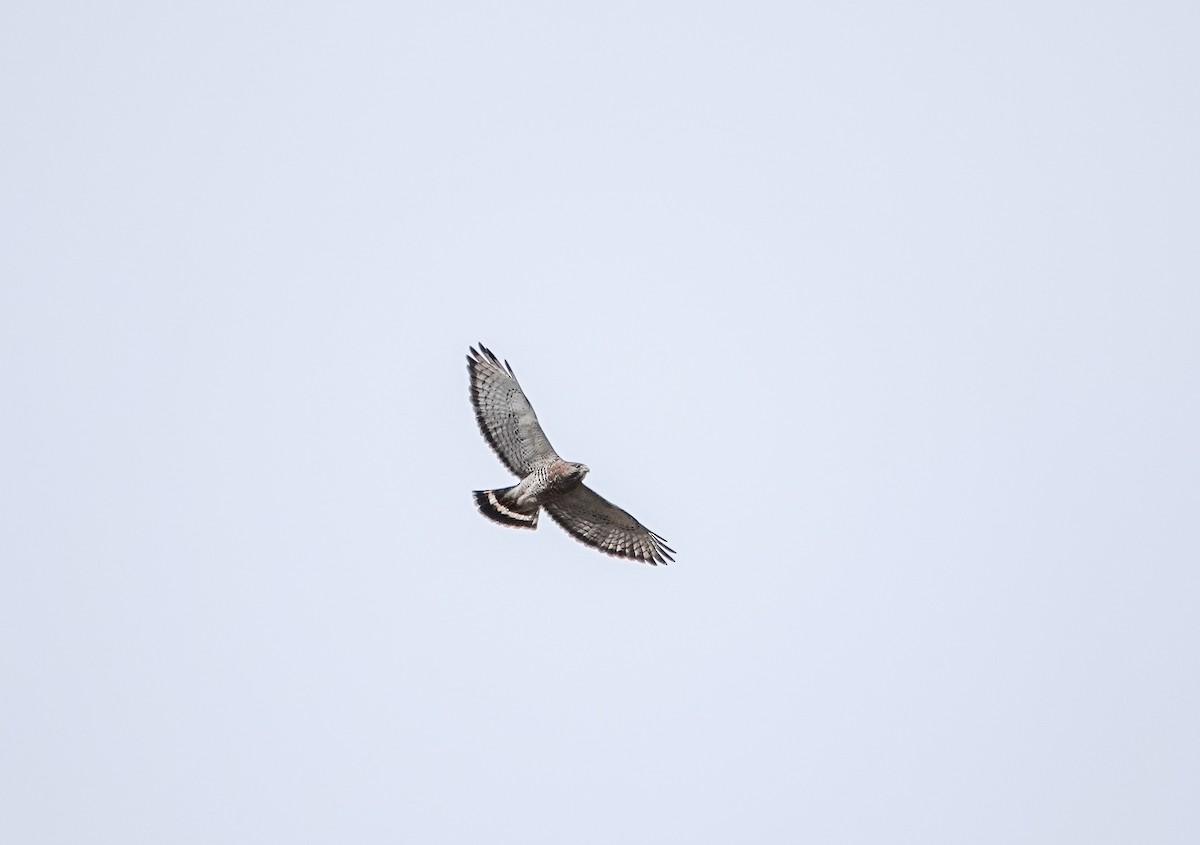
(511, 428)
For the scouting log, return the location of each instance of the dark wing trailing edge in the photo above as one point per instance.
(594, 521)
(505, 416)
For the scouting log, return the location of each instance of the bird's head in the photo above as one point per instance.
(581, 470)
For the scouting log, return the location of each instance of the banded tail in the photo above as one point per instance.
(495, 505)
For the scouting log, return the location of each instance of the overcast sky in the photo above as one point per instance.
(885, 315)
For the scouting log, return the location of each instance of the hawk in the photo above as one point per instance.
(511, 428)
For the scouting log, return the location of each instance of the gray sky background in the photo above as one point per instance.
(885, 315)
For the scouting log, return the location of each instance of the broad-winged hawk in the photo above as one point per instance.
(511, 428)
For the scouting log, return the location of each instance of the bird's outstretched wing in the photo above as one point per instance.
(593, 520)
(505, 416)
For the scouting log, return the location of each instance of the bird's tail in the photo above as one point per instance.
(497, 505)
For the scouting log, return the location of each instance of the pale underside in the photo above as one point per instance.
(511, 428)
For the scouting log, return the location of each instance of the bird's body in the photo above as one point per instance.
(511, 428)
(519, 505)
